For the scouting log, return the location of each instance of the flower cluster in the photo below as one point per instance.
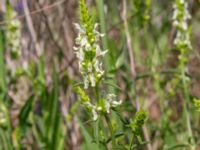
(138, 121)
(13, 33)
(182, 41)
(89, 54)
(197, 104)
(141, 11)
(87, 49)
(104, 105)
(180, 18)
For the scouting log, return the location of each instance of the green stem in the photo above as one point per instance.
(186, 103)
(97, 92)
(96, 123)
(111, 130)
(96, 131)
(131, 143)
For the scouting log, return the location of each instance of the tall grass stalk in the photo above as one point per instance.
(2, 64)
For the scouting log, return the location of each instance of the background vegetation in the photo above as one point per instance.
(39, 108)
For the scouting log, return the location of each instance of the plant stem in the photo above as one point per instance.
(131, 143)
(96, 123)
(96, 131)
(97, 92)
(111, 130)
(186, 103)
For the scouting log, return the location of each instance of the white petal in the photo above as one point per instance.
(83, 41)
(86, 82)
(111, 97)
(92, 80)
(103, 53)
(79, 28)
(89, 67)
(94, 113)
(107, 105)
(116, 103)
(75, 48)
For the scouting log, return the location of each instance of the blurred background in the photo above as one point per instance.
(38, 69)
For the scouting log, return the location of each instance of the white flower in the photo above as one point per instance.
(99, 108)
(13, 33)
(116, 103)
(180, 17)
(107, 106)
(79, 28)
(94, 113)
(111, 102)
(99, 52)
(93, 109)
(89, 67)
(184, 26)
(111, 97)
(89, 55)
(98, 67)
(92, 80)
(97, 32)
(86, 82)
(88, 105)
(83, 41)
(108, 103)
(87, 46)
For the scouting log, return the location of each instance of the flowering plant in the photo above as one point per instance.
(89, 54)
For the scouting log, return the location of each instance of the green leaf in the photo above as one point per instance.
(88, 145)
(25, 111)
(120, 60)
